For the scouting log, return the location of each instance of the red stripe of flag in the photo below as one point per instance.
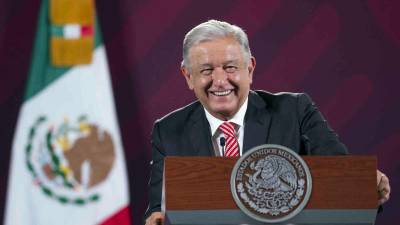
(122, 217)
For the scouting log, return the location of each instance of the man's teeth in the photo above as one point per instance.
(222, 93)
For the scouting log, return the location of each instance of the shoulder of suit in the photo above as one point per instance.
(181, 114)
(266, 94)
(277, 98)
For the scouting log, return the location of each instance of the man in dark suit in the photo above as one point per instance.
(218, 67)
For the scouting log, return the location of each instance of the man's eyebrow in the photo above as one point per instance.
(224, 63)
(206, 65)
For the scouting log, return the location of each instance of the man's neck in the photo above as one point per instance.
(237, 118)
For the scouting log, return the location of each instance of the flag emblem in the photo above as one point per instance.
(68, 161)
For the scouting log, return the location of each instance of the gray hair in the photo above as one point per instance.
(210, 30)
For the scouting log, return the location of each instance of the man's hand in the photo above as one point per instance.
(383, 187)
(156, 218)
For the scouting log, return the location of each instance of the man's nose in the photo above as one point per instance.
(219, 76)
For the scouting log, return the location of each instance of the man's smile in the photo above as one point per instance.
(221, 93)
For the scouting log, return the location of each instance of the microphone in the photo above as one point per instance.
(222, 142)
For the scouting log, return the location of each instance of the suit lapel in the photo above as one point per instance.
(257, 122)
(200, 134)
(256, 130)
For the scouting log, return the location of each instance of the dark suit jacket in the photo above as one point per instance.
(287, 119)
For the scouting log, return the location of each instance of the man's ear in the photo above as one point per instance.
(188, 76)
(250, 68)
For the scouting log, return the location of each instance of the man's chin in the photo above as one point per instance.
(223, 113)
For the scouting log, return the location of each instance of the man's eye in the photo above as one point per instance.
(231, 69)
(206, 71)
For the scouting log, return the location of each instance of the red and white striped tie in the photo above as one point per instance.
(232, 145)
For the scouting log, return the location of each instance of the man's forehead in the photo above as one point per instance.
(216, 51)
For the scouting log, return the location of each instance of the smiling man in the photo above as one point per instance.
(220, 73)
(228, 118)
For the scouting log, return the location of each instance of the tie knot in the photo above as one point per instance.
(228, 128)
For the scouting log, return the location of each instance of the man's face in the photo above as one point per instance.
(219, 75)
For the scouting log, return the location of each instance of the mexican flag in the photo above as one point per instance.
(67, 164)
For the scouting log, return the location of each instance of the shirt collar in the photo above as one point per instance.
(238, 118)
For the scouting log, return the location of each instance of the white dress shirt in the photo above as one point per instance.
(237, 119)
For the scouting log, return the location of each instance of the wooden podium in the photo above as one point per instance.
(196, 190)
